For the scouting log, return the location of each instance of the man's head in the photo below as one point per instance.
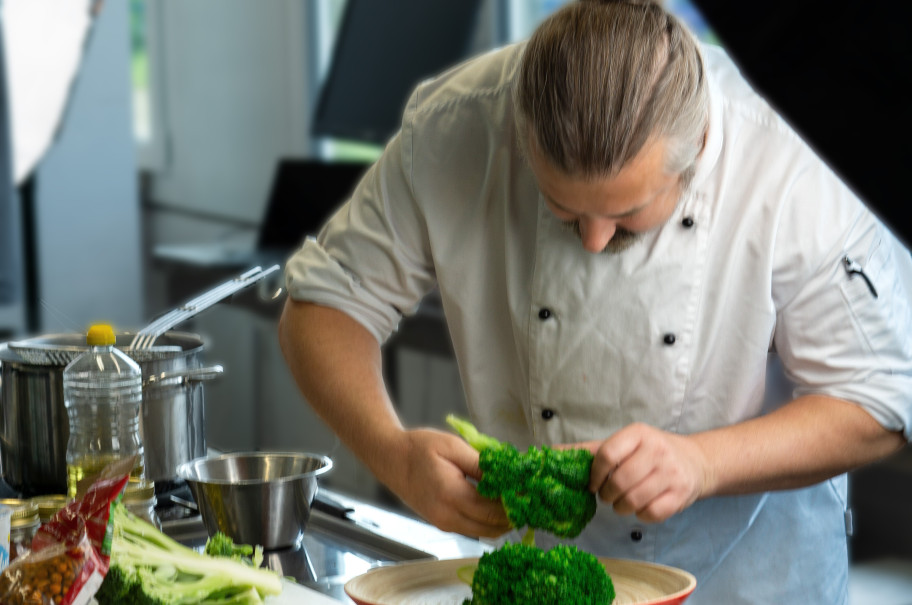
(610, 213)
(606, 90)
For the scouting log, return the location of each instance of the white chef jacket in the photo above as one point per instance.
(557, 345)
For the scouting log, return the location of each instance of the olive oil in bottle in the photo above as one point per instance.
(82, 472)
(102, 392)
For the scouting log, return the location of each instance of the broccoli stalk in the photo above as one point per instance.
(541, 488)
(528, 538)
(148, 567)
(473, 437)
(517, 574)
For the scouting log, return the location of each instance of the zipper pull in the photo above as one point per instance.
(853, 268)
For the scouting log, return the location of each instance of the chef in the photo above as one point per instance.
(635, 254)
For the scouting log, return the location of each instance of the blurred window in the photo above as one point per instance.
(147, 121)
(520, 18)
(510, 20)
(525, 15)
(139, 71)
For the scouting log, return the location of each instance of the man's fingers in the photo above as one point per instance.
(661, 507)
(488, 519)
(610, 454)
(464, 510)
(483, 510)
(638, 496)
(465, 458)
(467, 511)
(475, 529)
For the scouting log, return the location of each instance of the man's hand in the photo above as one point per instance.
(648, 472)
(428, 470)
(654, 474)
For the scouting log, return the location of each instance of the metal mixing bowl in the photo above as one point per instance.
(255, 498)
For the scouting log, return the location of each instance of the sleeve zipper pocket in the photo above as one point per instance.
(853, 268)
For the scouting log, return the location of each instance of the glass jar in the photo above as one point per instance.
(23, 526)
(49, 505)
(139, 498)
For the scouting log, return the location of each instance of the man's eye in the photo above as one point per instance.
(562, 214)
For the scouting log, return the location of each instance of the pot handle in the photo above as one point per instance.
(181, 377)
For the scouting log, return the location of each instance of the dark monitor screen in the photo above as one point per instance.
(304, 195)
(382, 51)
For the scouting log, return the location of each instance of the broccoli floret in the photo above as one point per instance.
(148, 567)
(117, 585)
(520, 574)
(220, 545)
(541, 488)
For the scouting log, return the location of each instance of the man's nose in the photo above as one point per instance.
(595, 233)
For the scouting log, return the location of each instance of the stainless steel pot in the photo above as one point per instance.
(34, 427)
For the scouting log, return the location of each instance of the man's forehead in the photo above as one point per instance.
(614, 196)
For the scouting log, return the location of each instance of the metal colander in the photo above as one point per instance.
(61, 349)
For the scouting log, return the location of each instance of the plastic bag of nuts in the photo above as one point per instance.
(44, 578)
(69, 556)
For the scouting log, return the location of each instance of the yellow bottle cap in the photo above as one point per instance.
(100, 335)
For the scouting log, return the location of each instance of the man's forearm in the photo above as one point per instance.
(806, 441)
(337, 365)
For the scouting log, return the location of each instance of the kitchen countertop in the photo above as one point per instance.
(345, 537)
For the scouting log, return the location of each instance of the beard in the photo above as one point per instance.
(620, 241)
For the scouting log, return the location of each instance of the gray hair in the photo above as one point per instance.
(600, 79)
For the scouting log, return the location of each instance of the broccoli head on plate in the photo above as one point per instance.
(521, 574)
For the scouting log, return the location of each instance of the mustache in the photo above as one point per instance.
(620, 241)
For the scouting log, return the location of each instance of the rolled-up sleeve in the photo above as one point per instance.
(840, 334)
(371, 259)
